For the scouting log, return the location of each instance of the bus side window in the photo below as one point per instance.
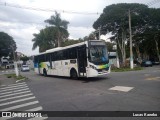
(65, 54)
(73, 53)
(47, 57)
(52, 57)
(41, 58)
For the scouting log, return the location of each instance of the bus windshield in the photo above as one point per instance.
(98, 54)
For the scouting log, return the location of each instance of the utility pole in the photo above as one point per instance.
(130, 33)
(99, 31)
(15, 62)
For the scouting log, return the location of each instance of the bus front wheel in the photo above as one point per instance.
(73, 74)
(45, 72)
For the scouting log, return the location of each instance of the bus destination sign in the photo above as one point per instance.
(97, 43)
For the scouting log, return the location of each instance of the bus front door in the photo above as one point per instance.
(82, 61)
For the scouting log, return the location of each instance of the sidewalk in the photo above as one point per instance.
(6, 81)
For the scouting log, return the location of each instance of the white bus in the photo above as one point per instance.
(85, 59)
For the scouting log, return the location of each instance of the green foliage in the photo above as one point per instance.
(110, 46)
(25, 58)
(61, 28)
(53, 36)
(20, 77)
(46, 39)
(145, 24)
(70, 42)
(7, 44)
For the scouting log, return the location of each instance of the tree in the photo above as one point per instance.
(61, 27)
(115, 19)
(24, 59)
(70, 42)
(46, 39)
(7, 45)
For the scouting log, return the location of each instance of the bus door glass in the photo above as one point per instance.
(82, 60)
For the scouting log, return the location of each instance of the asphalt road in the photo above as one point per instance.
(138, 91)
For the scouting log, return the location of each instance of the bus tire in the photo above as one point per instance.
(45, 72)
(73, 74)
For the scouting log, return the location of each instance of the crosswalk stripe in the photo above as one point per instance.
(12, 84)
(6, 118)
(14, 94)
(14, 91)
(14, 88)
(35, 109)
(19, 106)
(15, 97)
(17, 84)
(20, 100)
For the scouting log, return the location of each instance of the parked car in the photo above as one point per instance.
(146, 63)
(155, 62)
(25, 68)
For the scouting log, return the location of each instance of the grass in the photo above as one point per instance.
(15, 77)
(125, 69)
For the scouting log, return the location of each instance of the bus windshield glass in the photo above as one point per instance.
(98, 54)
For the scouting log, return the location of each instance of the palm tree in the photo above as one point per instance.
(61, 26)
(45, 39)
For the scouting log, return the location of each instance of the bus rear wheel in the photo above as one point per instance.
(73, 74)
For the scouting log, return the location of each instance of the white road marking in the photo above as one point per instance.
(6, 118)
(1, 86)
(20, 100)
(15, 97)
(19, 106)
(15, 94)
(146, 74)
(14, 88)
(17, 84)
(121, 88)
(14, 91)
(35, 109)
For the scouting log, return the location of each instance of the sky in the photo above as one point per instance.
(22, 23)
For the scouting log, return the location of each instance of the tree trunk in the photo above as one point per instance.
(59, 43)
(158, 55)
(138, 53)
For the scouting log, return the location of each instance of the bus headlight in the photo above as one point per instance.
(92, 67)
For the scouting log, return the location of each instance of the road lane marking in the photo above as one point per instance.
(121, 88)
(14, 88)
(14, 94)
(20, 100)
(19, 106)
(153, 78)
(15, 97)
(14, 91)
(35, 109)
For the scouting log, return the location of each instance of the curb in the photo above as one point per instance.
(20, 80)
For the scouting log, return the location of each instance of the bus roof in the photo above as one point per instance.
(63, 48)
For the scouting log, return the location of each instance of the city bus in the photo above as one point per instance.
(85, 59)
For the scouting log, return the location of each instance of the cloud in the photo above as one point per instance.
(22, 23)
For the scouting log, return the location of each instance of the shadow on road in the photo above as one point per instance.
(84, 80)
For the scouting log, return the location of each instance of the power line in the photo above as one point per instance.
(152, 2)
(47, 10)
